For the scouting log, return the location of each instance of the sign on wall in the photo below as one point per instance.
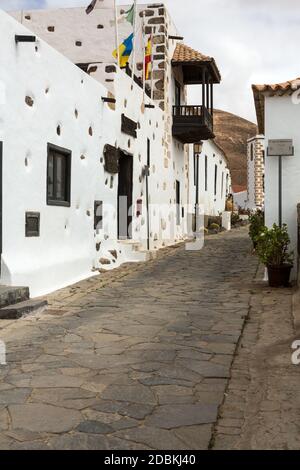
(280, 148)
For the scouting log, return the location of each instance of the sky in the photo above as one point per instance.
(252, 41)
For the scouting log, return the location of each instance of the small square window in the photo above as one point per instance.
(58, 176)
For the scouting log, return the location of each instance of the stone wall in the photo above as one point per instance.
(255, 173)
(259, 173)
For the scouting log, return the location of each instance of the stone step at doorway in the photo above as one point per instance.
(15, 302)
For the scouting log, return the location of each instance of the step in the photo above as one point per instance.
(130, 243)
(13, 312)
(11, 295)
(149, 255)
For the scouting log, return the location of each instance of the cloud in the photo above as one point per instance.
(252, 41)
(13, 5)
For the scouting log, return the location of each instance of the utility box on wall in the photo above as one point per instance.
(32, 224)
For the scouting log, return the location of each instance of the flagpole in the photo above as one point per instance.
(134, 39)
(144, 58)
(117, 33)
(152, 63)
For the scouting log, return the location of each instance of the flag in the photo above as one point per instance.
(148, 58)
(124, 50)
(91, 7)
(130, 15)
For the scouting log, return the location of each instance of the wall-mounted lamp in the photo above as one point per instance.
(198, 148)
(24, 38)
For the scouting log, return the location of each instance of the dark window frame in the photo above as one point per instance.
(222, 185)
(55, 201)
(216, 180)
(178, 91)
(252, 152)
(206, 172)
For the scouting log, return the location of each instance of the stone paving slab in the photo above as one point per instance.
(135, 359)
(261, 410)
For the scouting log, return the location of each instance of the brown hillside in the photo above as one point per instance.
(232, 133)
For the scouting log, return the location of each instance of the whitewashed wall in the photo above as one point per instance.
(282, 119)
(213, 204)
(80, 37)
(240, 200)
(66, 250)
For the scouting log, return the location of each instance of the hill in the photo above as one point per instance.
(232, 133)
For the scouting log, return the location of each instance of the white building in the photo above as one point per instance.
(278, 115)
(211, 177)
(240, 196)
(76, 138)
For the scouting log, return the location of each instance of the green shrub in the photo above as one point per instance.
(272, 246)
(257, 224)
(214, 226)
(214, 219)
(235, 219)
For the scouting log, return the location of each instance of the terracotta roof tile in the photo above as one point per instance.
(184, 53)
(279, 89)
(290, 85)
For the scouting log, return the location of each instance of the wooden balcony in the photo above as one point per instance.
(191, 124)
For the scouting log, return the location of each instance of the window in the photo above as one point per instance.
(251, 152)
(205, 172)
(222, 184)
(177, 94)
(148, 152)
(216, 179)
(58, 176)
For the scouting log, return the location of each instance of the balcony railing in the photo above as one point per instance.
(192, 123)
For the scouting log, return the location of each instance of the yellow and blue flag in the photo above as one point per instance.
(125, 49)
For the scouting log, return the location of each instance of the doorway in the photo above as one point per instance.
(125, 189)
(178, 209)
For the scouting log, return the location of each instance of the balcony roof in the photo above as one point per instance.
(193, 62)
(276, 89)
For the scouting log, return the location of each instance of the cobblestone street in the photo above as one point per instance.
(138, 358)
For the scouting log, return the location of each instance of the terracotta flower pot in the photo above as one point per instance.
(279, 275)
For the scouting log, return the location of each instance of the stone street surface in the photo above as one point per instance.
(138, 358)
(262, 404)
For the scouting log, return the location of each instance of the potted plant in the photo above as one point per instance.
(272, 249)
(257, 223)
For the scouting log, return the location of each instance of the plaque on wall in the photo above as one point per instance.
(128, 126)
(111, 159)
(32, 224)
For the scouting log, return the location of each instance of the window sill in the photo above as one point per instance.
(58, 203)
